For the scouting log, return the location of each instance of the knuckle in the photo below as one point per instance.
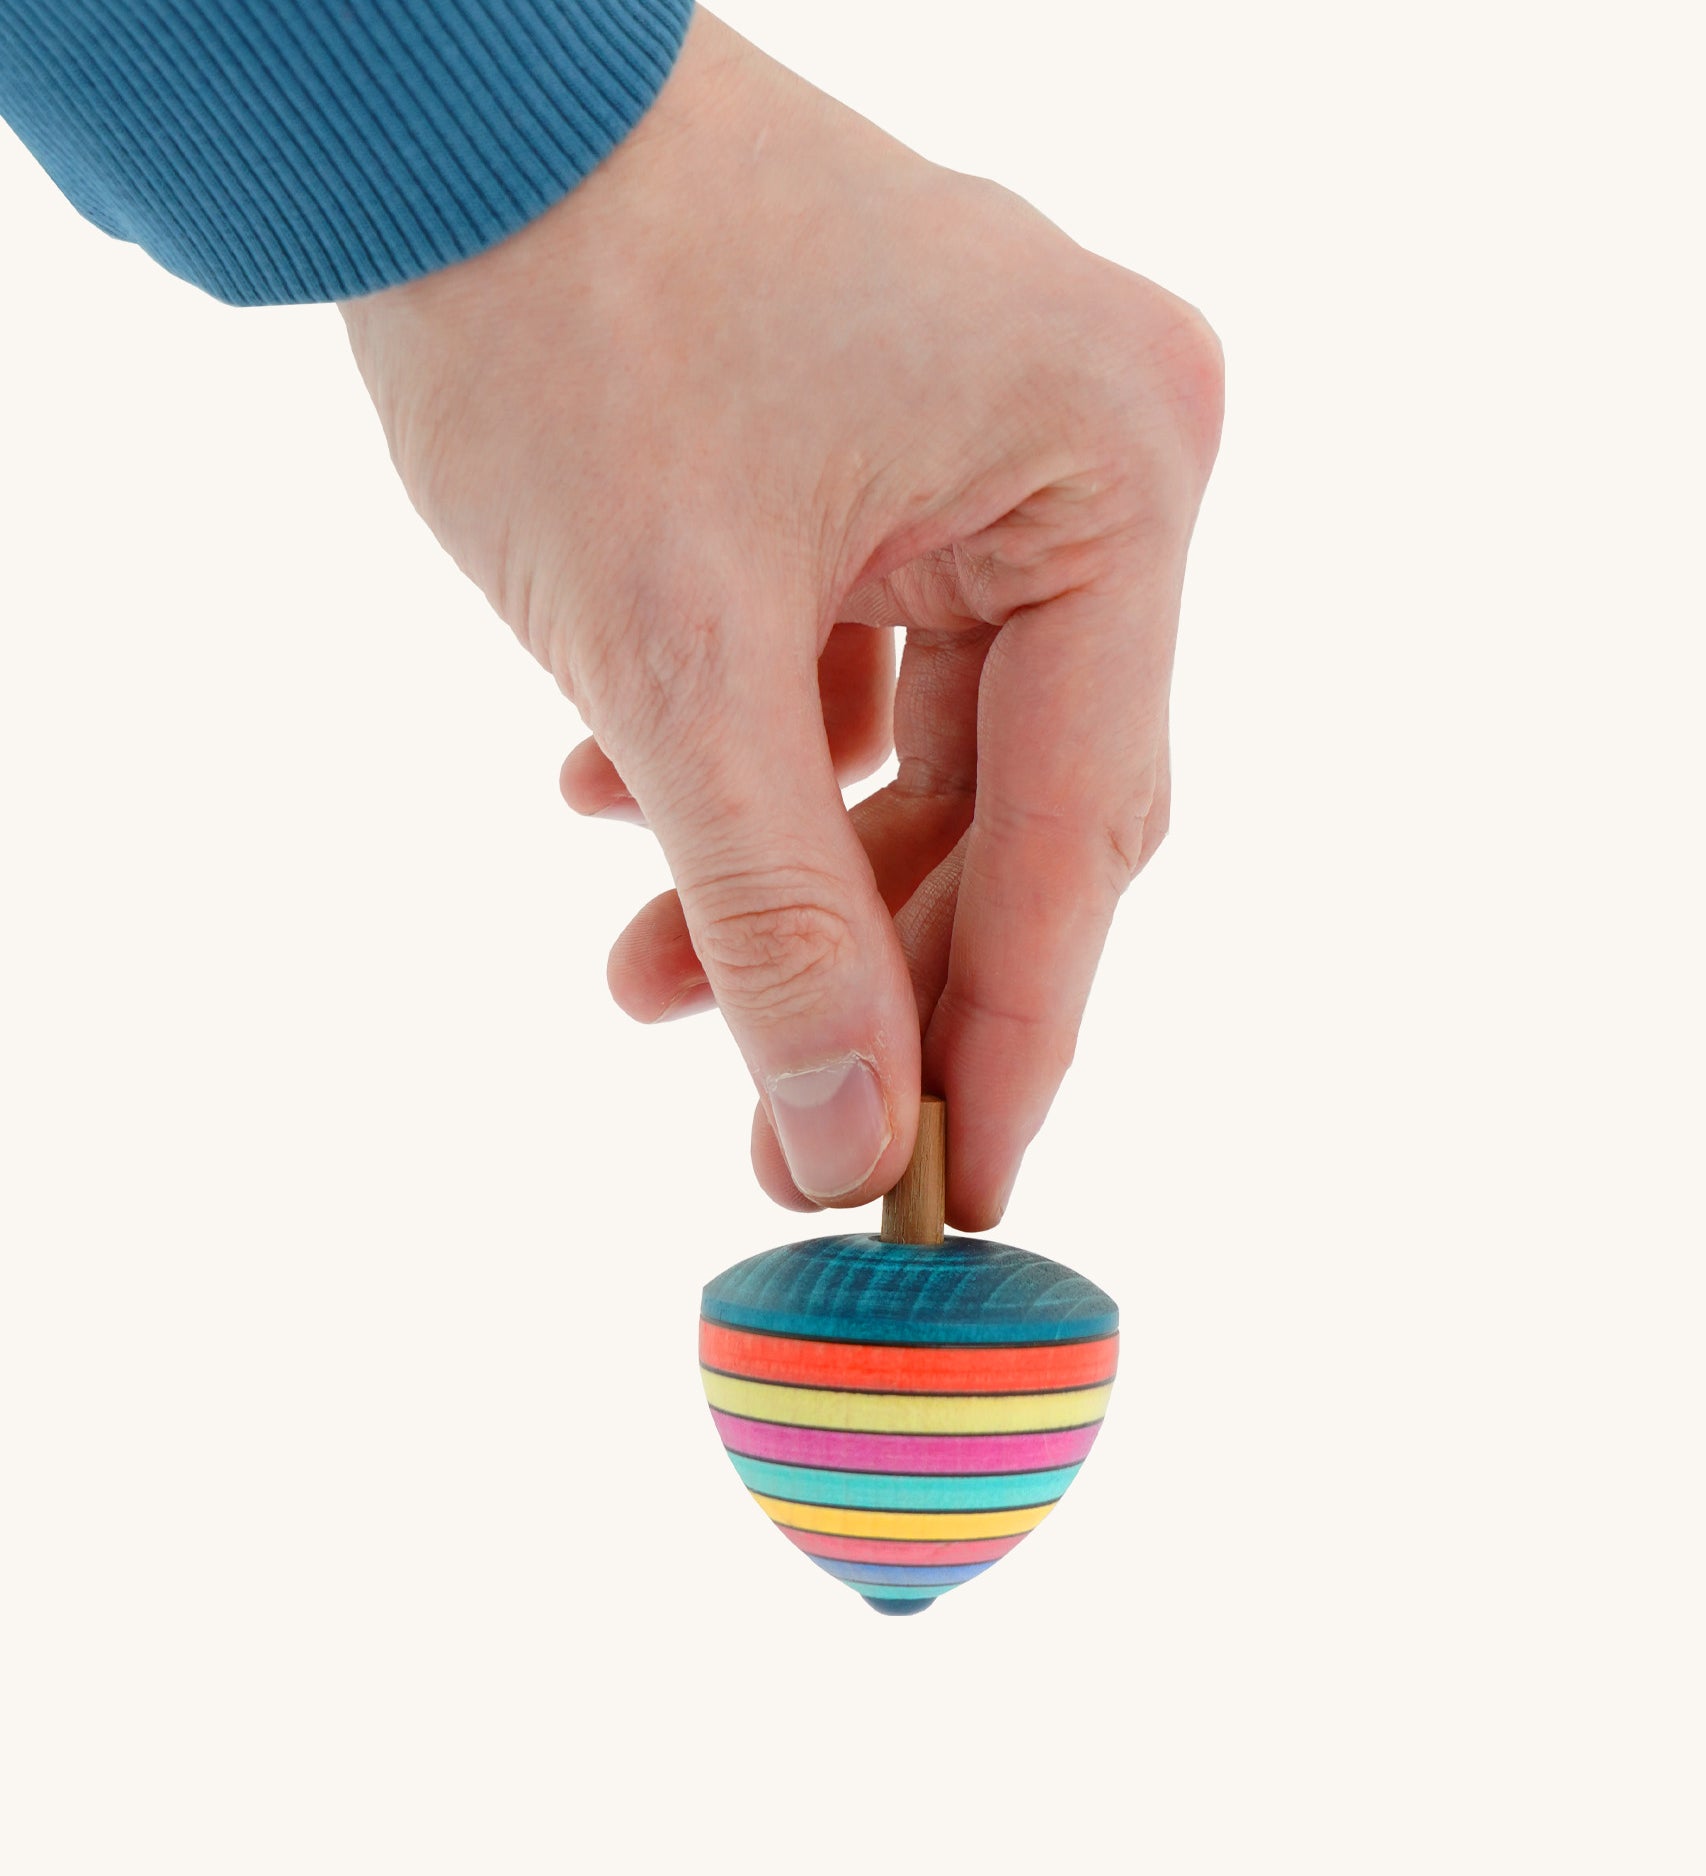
(1196, 363)
(1133, 835)
(1166, 372)
(1130, 841)
(653, 638)
(650, 669)
(1182, 372)
(1105, 851)
(775, 952)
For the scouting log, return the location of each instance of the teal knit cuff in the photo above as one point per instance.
(275, 151)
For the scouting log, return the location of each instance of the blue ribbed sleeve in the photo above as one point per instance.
(286, 150)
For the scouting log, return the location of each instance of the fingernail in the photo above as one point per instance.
(624, 810)
(691, 1002)
(832, 1123)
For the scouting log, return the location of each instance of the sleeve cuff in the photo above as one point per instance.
(281, 151)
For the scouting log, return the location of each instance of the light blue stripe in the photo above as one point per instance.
(883, 1491)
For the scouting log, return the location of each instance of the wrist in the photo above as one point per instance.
(715, 94)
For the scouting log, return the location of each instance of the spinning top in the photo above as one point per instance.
(907, 1407)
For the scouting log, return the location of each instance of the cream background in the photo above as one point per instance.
(341, 1527)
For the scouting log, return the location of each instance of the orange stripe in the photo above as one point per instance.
(865, 1365)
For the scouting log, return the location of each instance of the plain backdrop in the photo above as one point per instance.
(359, 1509)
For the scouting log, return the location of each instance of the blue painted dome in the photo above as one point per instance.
(859, 1288)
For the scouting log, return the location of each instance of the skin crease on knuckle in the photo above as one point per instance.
(771, 958)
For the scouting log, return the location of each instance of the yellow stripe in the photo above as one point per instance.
(905, 1413)
(940, 1524)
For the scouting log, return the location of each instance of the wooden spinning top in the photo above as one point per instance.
(907, 1407)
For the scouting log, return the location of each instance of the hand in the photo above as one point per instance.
(765, 385)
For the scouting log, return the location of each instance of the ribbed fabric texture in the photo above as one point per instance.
(276, 151)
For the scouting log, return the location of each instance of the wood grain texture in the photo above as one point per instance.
(913, 1212)
(859, 1289)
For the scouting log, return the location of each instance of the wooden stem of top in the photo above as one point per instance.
(913, 1211)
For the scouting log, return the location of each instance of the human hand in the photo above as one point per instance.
(764, 385)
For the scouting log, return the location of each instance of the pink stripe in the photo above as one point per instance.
(904, 1452)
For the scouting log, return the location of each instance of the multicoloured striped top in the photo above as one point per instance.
(906, 1414)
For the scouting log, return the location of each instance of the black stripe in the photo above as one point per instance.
(871, 1341)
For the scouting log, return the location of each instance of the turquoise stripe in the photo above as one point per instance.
(895, 1592)
(905, 1491)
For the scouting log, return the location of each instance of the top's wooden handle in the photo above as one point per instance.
(913, 1211)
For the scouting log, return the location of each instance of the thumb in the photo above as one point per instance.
(730, 764)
